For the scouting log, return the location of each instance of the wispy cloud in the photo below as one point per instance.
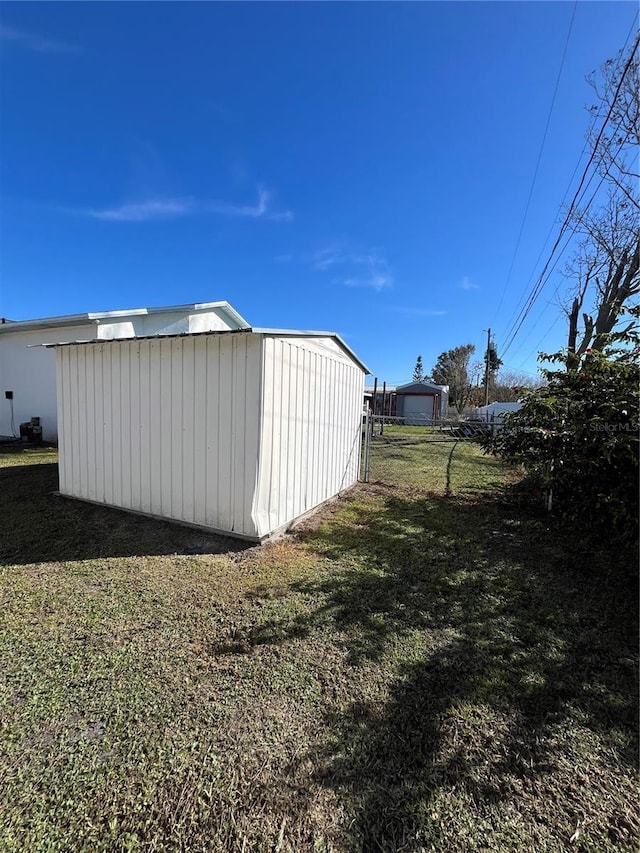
(145, 211)
(374, 280)
(356, 268)
(420, 312)
(328, 257)
(154, 209)
(261, 209)
(35, 42)
(375, 271)
(467, 284)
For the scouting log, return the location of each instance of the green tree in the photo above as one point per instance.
(418, 370)
(492, 365)
(491, 358)
(452, 369)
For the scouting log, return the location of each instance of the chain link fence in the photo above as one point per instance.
(442, 455)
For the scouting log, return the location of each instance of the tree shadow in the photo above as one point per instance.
(40, 526)
(512, 621)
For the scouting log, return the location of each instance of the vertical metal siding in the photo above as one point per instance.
(311, 428)
(166, 426)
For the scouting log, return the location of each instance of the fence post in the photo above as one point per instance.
(367, 446)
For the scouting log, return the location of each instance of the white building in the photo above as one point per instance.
(27, 372)
(495, 411)
(239, 432)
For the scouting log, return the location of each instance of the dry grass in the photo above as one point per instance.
(409, 672)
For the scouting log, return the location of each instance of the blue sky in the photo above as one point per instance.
(362, 168)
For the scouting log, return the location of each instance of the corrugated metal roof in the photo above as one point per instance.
(425, 385)
(95, 317)
(275, 332)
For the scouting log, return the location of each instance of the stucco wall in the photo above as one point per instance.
(31, 374)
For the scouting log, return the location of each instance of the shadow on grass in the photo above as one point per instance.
(39, 526)
(510, 622)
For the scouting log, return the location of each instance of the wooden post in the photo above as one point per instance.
(384, 395)
(367, 445)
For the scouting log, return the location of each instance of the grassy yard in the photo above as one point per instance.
(410, 672)
(425, 459)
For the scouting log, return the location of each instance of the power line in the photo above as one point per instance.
(519, 370)
(572, 207)
(537, 166)
(540, 284)
(543, 338)
(546, 273)
(602, 129)
(551, 227)
(517, 314)
(530, 332)
(550, 231)
(585, 148)
(574, 229)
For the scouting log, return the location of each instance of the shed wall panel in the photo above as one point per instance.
(168, 427)
(311, 427)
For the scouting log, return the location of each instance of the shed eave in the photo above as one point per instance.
(47, 323)
(159, 336)
(300, 333)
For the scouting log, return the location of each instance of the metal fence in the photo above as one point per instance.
(441, 455)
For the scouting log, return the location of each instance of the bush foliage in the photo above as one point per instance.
(577, 439)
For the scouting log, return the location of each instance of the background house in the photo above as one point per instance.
(383, 402)
(415, 402)
(236, 431)
(28, 371)
(420, 402)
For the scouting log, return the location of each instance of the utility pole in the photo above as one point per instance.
(486, 368)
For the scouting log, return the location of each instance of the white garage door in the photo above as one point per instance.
(418, 409)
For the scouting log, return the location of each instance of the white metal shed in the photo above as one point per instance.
(239, 432)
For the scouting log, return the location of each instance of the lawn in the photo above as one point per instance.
(429, 460)
(412, 671)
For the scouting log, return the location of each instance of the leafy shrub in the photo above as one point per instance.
(577, 439)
